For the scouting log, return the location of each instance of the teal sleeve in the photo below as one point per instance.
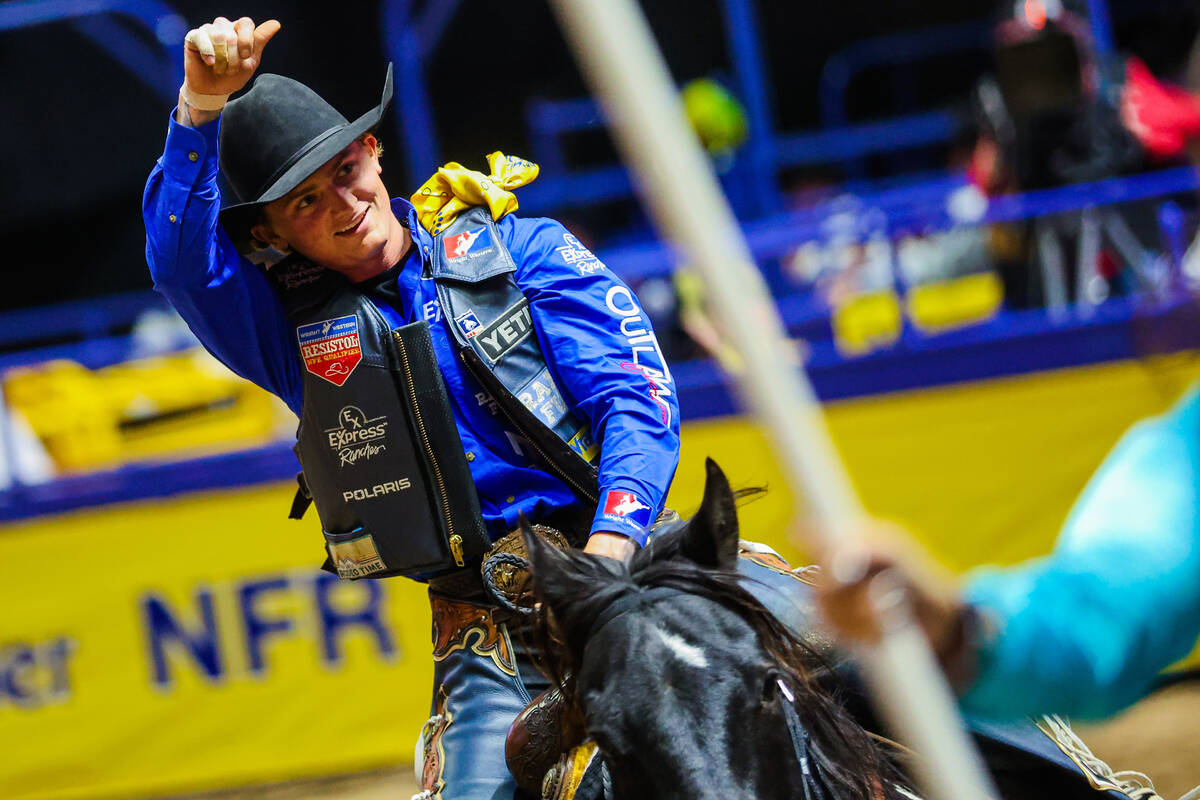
(1086, 630)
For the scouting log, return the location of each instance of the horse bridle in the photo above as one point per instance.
(813, 789)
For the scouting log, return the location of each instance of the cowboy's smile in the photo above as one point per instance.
(357, 226)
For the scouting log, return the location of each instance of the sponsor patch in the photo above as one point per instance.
(378, 490)
(356, 558)
(583, 444)
(331, 348)
(468, 323)
(468, 244)
(512, 327)
(485, 400)
(657, 390)
(578, 256)
(627, 507)
(542, 397)
(646, 356)
(357, 438)
(296, 273)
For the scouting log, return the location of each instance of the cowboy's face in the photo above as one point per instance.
(340, 216)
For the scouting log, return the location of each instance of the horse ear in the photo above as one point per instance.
(711, 538)
(558, 576)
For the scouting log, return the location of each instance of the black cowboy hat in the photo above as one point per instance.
(276, 135)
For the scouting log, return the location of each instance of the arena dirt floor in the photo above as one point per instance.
(1160, 737)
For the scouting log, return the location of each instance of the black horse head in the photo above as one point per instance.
(689, 687)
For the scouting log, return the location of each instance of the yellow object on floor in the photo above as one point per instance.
(172, 406)
(944, 305)
(866, 322)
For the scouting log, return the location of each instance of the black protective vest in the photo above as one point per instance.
(489, 318)
(380, 452)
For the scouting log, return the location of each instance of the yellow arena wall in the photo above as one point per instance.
(190, 643)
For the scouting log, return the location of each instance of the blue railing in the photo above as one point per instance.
(896, 51)
(561, 187)
(409, 40)
(159, 66)
(922, 209)
(94, 331)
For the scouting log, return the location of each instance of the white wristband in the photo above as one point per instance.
(202, 102)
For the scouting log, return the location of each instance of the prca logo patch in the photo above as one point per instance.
(469, 323)
(331, 348)
(626, 506)
(468, 244)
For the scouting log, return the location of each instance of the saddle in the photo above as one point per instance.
(547, 753)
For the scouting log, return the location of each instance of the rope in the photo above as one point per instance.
(489, 579)
(1137, 785)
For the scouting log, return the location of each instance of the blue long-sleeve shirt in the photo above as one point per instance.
(592, 331)
(1086, 630)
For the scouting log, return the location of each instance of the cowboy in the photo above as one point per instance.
(453, 366)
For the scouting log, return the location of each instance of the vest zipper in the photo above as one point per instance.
(549, 462)
(455, 541)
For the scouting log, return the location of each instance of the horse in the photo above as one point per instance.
(690, 687)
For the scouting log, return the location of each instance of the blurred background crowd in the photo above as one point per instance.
(939, 194)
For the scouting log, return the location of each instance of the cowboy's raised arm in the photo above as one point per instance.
(224, 299)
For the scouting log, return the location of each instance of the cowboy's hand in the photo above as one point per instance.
(847, 588)
(220, 57)
(612, 545)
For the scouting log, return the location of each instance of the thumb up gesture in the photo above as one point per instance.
(220, 57)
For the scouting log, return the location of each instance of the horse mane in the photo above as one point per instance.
(853, 763)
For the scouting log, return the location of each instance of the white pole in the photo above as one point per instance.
(625, 68)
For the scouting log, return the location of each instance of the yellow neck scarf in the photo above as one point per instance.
(454, 188)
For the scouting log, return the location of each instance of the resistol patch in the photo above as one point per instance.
(331, 348)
